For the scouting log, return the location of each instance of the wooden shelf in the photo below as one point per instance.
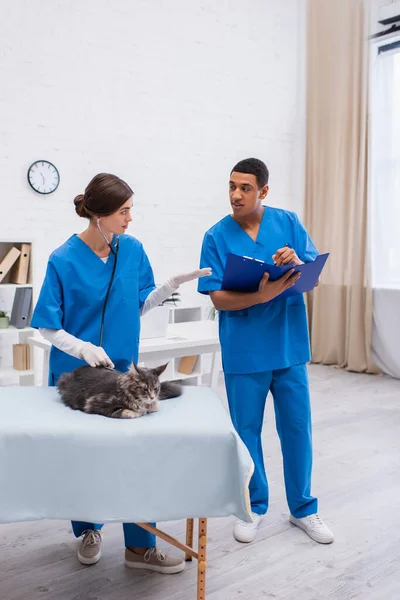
(11, 335)
(15, 285)
(183, 376)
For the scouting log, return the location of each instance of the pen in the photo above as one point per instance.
(287, 245)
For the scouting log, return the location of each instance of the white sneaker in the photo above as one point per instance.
(246, 532)
(314, 526)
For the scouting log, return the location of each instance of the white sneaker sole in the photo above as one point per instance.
(158, 569)
(88, 561)
(243, 540)
(328, 539)
(250, 537)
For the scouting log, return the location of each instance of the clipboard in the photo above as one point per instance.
(243, 274)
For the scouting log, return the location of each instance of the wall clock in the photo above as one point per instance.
(43, 177)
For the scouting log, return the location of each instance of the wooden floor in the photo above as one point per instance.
(356, 476)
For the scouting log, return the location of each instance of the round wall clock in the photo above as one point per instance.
(43, 177)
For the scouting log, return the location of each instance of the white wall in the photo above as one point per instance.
(168, 95)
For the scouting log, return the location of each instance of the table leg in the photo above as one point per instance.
(201, 561)
(189, 536)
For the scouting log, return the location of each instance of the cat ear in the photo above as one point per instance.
(134, 368)
(159, 370)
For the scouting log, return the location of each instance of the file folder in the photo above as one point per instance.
(243, 274)
(19, 272)
(10, 258)
(21, 308)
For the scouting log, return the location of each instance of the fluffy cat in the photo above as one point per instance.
(110, 393)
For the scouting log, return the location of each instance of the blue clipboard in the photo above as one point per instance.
(243, 274)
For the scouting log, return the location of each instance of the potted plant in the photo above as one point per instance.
(4, 320)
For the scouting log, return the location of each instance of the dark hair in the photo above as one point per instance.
(253, 166)
(104, 195)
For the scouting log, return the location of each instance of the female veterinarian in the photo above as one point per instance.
(97, 285)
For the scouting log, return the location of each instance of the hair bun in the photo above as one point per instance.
(79, 206)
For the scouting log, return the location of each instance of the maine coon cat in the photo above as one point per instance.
(102, 391)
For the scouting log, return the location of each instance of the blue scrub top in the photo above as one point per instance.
(72, 298)
(268, 336)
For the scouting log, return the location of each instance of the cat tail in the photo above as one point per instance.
(170, 389)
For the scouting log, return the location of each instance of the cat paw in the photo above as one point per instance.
(128, 414)
(153, 407)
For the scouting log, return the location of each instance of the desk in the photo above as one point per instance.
(193, 337)
(185, 461)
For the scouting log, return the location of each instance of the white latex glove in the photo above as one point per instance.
(177, 280)
(157, 296)
(95, 356)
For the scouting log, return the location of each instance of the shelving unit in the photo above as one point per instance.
(202, 369)
(177, 314)
(203, 366)
(183, 314)
(172, 374)
(11, 335)
(196, 376)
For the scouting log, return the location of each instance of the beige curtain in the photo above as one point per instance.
(340, 309)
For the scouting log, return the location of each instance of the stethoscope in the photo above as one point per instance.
(114, 251)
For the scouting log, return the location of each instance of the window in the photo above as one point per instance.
(384, 205)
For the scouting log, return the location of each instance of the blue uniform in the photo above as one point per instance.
(265, 348)
(72, 298)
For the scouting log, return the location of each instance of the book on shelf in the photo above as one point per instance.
(187, 364)
(21, 357)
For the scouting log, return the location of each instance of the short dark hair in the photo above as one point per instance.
(253, 166)
(103, 196)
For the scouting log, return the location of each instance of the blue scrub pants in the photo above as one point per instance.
(133, 534)
(247, 395)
